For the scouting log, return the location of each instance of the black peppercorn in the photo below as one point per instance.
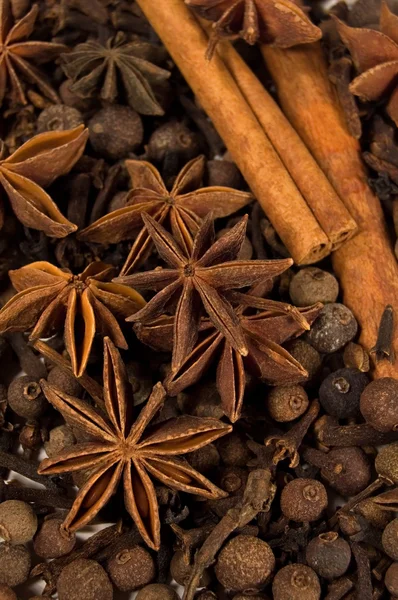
(60, 438)
(131, 568)
(84, 579)
(340, 392)
(391, 579)
(379, 404)
(157, 591)
(26, 398)
(14, 564)
(59, 117)
(333, 329)
(329, 555)
(303, 500)
(311, 285)
(386, 462)
(18, 522)
(115, 131)
(287, 402)
(65, 381)
(390, 539)
(52, 541)
(296, 582)
(244, 563)
(174, 138)
(233, 450)
(181, 570)
(6, 593)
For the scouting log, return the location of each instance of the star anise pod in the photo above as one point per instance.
(128, 449)
(114, 69)
(49, 299)
(16, 54)
(35, 165)
(199, 280)
(281, 23)
(264, 332)
(375, 56)
(181, 209)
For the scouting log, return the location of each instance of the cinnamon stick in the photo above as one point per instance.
(235, 122)
(365, 265)
(315, 187)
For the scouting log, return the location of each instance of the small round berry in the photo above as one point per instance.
(6, 593)
(250, 596)
(386, 462)
(59, 117)
(245, 562)
(340, 392)
(379, 404)
(157, 591)
(52, 541)
(131, 568)
(14, 564)
(306, 355)
(60, 438)
(311, 285)
(233, 450)
(287, 402)
(348, 470)
(206, 595)
(333, 329)
(115, 131)
(390, 539)
(71, 99)
(233, 479)
(65, 381)
(174, 138)
(84, 579)
(18, 522)
(303, 500)
(329, 555)
(223, 173)
(391, 579)
(26, 398)
(296, 582)
(204, 459)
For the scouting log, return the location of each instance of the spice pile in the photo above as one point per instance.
(177, 370)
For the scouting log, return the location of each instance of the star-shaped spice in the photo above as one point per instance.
(16, 54)
(181, 209)
(278, 22)
(375, 55)
(129, 450)
(84, 305)
(34, 165)
(114, 69)
(266, 359)
(199, 281)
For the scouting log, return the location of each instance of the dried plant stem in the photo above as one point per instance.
(250, 148)
(366, 264)
(363, 588)
(37, 496)
(339, 588)
(258, 496)
(28, 469)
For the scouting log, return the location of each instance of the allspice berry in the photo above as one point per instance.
(386, 462)
(306, 355)
(329, 555)
(245, 563)
(6, 593)
(389, 539)
(52, 541)
(131, 568)
(311, 285)
(340, 392)
(296, 582)
(206, 595)
(59, 117)
(14, 564)
(60, 438)
(287, 402)
(175, 138)
(84, 579)
(233, 450)
(26, 398)
(64, 381)
(115, 130)
(223, 173)
(379, 404)
(18, 522)
(347, 470)
(391, 579)
(204, 459)
(304, 500)
(333, 329)
(157, 591)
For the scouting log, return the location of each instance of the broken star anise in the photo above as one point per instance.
(16, 54)
(114, 68)
(280, 23)
(199, 280)
(129, 450)
(182, 209)
(375, 56)
(35, 165)
(84, 305)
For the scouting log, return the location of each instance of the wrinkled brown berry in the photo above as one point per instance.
(131, 568)
(175, 138)
(64, 381)
(52, 541)
(233, 450)
(84, 579)
(6, 593)
(25, 398)
(233, 479)
(157, 591)
(379, 404)
(303, 500)
(59, 117)
(390, 539)
(296, 582)
(244, 563)
(204, 459)
(306, 355)
(60, 438)
(14, 564)
(311, 285)
(333, 329)
(391, 579)
(223, 173)
(115, 131)
(348, 470)
(18, 522)
(287, 402)
(329, 555)
(340, 392)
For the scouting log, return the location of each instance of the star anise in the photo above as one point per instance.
(200, 279)
(182, 209)
(281, 23)
(85, 304)
(16, 54)
(116, 68)
(266, 359)
(34, 165)
(375, 55)
(128, 449)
